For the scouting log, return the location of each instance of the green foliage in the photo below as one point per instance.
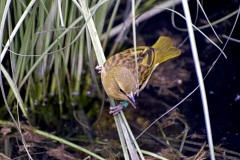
(48, 60)
(49, 67)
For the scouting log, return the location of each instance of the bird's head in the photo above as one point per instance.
(130, 97)
(120, 84)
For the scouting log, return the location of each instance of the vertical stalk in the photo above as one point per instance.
(200, 77)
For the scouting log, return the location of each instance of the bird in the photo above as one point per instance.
(125, 74)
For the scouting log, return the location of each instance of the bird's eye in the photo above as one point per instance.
(121, 91)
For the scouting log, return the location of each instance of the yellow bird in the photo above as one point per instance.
(122, 79)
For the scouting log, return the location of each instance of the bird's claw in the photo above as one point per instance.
(98, 68)
(116, 109)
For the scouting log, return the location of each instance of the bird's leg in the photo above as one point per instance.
(116, 109)
(98, 68)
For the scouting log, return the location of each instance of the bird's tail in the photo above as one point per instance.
(165, 49)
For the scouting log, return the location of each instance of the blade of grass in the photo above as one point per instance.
(200, 32)
(200, 77)
(110, 24)
(207, 25)
(135, 42)
(101, 59)
(200, 5)
(18, 97)
(148, 14)
(153, 155)
(136, 64)
(11, 83)
(16, 29)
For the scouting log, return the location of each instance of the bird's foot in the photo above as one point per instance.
(98, 68)
(116, 109)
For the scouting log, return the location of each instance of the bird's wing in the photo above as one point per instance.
(145, 60)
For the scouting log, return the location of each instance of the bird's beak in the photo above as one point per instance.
(132, 99)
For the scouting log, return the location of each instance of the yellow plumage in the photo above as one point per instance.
(120, 78)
